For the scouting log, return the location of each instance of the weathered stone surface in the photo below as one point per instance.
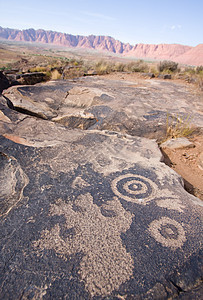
(63, 104)
(12, 79)
(117, 105)
(92, 214)
(13, 180)
(177, 143)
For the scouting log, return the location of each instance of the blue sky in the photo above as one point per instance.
(143, 21)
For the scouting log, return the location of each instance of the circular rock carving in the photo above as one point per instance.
(134, 188)
(168, 232)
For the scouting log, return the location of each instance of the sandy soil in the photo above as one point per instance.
(186, 162)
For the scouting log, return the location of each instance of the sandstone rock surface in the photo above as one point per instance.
(92, 214)
(114, 105)
(177, 143)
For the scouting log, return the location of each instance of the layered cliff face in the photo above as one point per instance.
(176, 52)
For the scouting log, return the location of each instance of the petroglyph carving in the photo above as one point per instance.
(174, 204)
(106, 264)
(168, 232)
(79, 183)
(134, 188)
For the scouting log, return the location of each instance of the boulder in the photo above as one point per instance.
(177, 143)
(91, 73)
(150, 75)
(10, 78)
(4, 82)
(164, 76)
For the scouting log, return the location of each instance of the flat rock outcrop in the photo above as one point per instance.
(98, 103)
(92, 214)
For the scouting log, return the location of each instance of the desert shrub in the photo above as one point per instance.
(55, 74)
(76, 62)
(138, 66)
(190, 70)
(103, 67)
(38, 69)
(154, 70)
(167, 65)
(119, 67)
(199, 70)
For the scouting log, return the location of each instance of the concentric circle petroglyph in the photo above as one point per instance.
(168, 232)
(134, 188)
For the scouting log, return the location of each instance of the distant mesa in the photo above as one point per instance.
(179, 53)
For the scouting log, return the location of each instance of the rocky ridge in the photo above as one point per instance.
(176, 52)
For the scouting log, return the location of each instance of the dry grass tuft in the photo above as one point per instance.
(177, 126)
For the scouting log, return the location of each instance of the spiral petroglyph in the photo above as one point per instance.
(168, 232)
(134, 188)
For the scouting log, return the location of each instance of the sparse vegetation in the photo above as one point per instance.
(120, 67)
(154, 70)
(199, 70)
(178, 126)
(167, 66)
(38, 69)
(200, 82)
(71, 64)
(103, 67)
(192, 75)
(138, 66)
(55, 75)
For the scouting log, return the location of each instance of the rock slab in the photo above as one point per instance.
(92, 214)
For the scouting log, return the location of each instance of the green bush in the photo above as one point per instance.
(167, 65)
